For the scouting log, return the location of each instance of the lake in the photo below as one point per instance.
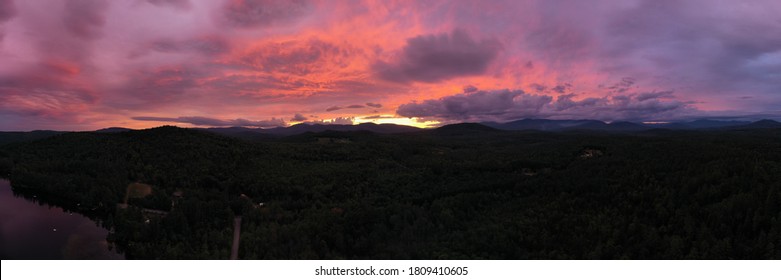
(35, 230)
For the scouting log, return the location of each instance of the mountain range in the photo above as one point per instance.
(450, 129)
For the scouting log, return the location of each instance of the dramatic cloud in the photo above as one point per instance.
(562, 88)
(654, 95)
(505, 105)
(644, 106)
(89, 64)
(439, 57)
(204, 121)
(469, 106)
(156, 87)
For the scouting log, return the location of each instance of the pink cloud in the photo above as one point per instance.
(91, 63)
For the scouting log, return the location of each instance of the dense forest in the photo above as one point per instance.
(459, 192)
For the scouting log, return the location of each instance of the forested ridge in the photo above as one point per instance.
(459, 192)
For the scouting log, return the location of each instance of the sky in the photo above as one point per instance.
(90, 64)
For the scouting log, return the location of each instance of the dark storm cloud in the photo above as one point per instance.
(434, 58)
(205, 121)
(562, 88)
(262, 13)
(85, 18)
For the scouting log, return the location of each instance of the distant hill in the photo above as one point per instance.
(14, 137)
(697, 124)
(761, 124)
(625, 126)
(113, 130)
(254, 134)
(567, 125)
(240, 132)
(464, 128)
(371, 127)
(544, 124)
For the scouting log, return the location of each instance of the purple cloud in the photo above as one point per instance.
(500, 105)
(207, 45)
(205, 121)
(299, 118)
(178, 4)
(262, 13)
(378, 117)
(354, 106)
(474, 105)
(374, 105)
(85, 18)
(654, 95)
(439, 57)
(7, 10)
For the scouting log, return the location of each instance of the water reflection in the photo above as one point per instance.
(30, 230)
